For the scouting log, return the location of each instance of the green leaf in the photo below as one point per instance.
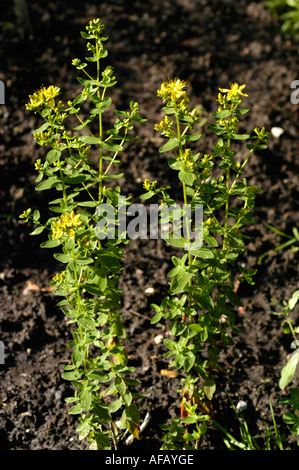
(115, 405)
(83, 429)
(210, 240)
(37, 231)
(289, 370)
(76, 409)
(93, 289)
(48, 183)
(289, 418)
(174, 240)
(75, 179)
(209, 388)
(170, 344)
(186, 177)
(86, 322)
(78, 356)
(85, 399)
(193, 137)
(102, 442)
(171, 144)
(62, 257)
(222, 114)
(89, 139)
(147, 195)
(112, 147)
(219, 200)
(241, 111)
(101, 411)
(71, 375)
(156, 318)
(53, 156)
(41, 128)
(240, 136)
(100, 376)
(203, 253)
(180, 280)
(50, 244)
(293, 300)
(189, 420)
(133, 414)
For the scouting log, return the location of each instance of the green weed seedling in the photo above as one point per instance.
(285, 309)
(288, 13)
(270, 440)
(292, 241)
(77, 168)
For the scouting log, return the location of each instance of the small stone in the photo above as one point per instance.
(158, 339)
(149, 290)
(277, 132)
(241, 405)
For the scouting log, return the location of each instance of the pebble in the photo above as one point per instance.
(277, 132)
(241, 405)
(158, 339)
(149, 290)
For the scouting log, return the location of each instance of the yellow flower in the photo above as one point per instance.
(147, 184)
(42, 97)
(38, 165)
(59, 277)
(234, 92)
(164, 125)
(57, 230)
(173, 90)
(25, 214)
(66, 225)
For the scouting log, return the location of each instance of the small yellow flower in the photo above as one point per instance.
(147, 184)
(84, 241)
(38, 165)
(60, 277)
(66, 225)
(234, 91)
(25, 214)
(174, 90)
(261, 133)
(42, 97)
(57, 230)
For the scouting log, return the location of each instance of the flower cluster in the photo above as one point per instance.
(44, 138)
(42, 97)
(95, 26)
(174, 90)
(66, 225)
(234, 92)
(60, 277)
(165, 127)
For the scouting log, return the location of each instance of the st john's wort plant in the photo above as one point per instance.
(77, 169)
(201, 300)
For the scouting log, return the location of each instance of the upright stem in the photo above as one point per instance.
(100, 127)
(187, 218)
(227, 201)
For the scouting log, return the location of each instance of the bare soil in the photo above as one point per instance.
(209, 44)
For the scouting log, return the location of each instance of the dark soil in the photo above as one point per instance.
(209, 44)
